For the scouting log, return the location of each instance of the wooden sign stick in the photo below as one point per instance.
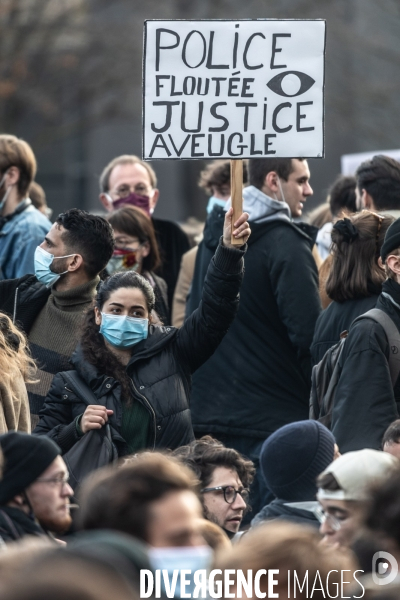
(236, 195)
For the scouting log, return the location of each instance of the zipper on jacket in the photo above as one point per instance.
(151, 410)
(15, 305)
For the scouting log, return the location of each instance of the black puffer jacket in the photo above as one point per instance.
(23, 299)
(160, 367)
(365, 400)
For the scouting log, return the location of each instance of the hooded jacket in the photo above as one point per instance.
(160, 367)
(365, 401)
(282, 510)
(259, 377)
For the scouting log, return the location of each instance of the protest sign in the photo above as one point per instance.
(233, 89)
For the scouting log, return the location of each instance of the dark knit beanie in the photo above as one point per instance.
(392, 240)
(26, 457)
(292, 458)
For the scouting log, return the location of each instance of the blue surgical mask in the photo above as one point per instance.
(191, 558)
(213, 201)
(43, 260)
(122, 331)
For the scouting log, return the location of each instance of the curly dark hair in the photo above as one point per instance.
(89, 235)
(203, 456)
(94, 348)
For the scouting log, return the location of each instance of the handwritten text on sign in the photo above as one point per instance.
(233, 89)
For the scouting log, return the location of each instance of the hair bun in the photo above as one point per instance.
(346, 228)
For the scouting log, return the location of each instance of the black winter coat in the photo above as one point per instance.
(23, 299)
(281, 510)
(160, 367)
(15, 524)
(365, 401)
(260, 376)
(335, 319)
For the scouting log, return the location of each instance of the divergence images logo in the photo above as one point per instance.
(384, 568)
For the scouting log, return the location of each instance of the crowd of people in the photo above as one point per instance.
(222, 406)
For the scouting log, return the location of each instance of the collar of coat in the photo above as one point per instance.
(309, 232)
(157, 340)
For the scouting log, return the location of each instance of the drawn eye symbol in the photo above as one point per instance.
(290, 83)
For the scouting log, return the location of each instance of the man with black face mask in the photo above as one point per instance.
(22, 225)
(129, 180)
(49, 306)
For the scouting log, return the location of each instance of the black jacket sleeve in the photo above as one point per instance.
(55, 418)
(364, 404)
(294, 278)
(8, 288)
(203, 331)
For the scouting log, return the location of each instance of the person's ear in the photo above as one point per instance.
(271, 182)
(154, 199)
(380, 264)
(367, 201)
(97, 316)
(145, 249)
(393, 262)
(106, 202)
(76, 263)
(19, 500)
(13, 175)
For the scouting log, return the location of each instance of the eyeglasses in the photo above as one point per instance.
(60, 480)
(229, 491)
(140, 189)
(323, 517)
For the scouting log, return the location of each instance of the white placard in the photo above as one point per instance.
(233, 89)
(351, 162)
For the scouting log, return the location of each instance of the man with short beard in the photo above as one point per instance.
(34, 490)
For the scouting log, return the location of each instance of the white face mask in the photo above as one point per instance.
(43, 260)
(191, 558)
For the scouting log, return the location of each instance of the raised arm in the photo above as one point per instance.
(203, 331)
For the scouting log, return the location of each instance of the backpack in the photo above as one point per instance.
(326, 374)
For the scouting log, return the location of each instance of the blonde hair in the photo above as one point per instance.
(14, 353)
(15, 152)
(125, 159)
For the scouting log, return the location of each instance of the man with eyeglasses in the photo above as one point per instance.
(225, 477)
(34, 490)
(129, 180)
(344, 493)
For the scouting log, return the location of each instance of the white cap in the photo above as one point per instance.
(355, 472)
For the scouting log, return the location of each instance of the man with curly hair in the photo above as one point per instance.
(225, 477)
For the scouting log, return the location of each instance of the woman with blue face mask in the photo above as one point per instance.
(141, 372)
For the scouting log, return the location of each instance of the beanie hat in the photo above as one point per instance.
(292, 458)
(355, 472)
(26, 457)
(392, 240)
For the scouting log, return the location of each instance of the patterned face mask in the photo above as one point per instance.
(123, 259)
